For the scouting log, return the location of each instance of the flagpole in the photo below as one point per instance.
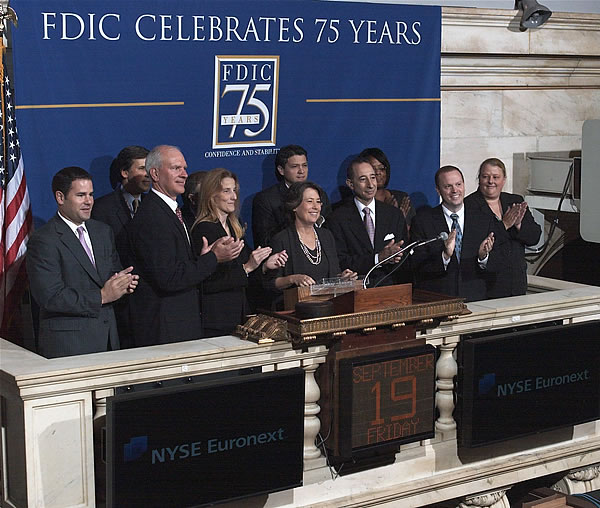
(15, 208)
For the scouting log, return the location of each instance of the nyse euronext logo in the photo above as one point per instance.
(137, 446)
(487, 383)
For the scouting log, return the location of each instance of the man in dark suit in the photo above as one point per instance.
(75, 274)
(117, 208)
(458, 266)
(166, 307)
(268, 215)
(367, 231)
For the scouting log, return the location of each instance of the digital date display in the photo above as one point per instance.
(393, 399)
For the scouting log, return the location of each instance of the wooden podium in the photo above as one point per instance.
(372, 331)
(362, 311)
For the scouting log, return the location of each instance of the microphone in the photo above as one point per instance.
(411, 246)
(443, 236)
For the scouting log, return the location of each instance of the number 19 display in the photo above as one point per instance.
(393, 399)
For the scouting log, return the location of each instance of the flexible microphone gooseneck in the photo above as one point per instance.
(411, 246)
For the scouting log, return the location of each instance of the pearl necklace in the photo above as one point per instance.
(314, 259)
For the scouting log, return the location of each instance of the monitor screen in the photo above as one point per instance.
(516, 383)
(386, 398)
(206, 442)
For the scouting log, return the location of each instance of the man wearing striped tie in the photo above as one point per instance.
(366, 230)
(75, 274)
(166, 307)
(457, 266)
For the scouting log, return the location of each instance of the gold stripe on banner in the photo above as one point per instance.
(374, 100)
(99, 105)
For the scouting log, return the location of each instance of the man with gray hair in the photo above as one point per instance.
(167, 304)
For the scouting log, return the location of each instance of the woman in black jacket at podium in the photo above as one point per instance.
(311, 251)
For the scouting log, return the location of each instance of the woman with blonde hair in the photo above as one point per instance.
(224, 292)
(515, 228)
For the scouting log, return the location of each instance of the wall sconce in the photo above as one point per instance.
(534, 14)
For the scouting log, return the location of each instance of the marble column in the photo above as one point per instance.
(312, 424)
(446, 370)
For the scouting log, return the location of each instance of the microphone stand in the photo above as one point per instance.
(404, 259)
(377, 265)
(410, 247)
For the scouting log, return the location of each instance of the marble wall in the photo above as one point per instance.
(506, 92)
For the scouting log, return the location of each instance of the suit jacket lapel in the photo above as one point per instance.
(439, 220)
(357, 225)
(72, 243)
(123, 211)
(103, 264)
(382, 226)
(173, 220)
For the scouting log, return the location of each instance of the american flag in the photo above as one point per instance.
(15, 213)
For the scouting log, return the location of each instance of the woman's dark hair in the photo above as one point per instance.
(378, 154)
(295, 195)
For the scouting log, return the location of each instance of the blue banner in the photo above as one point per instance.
(229, 82)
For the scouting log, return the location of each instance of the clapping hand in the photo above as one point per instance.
(486, 247)
(391, 248)
(256, 258)
(449, 245)
(405, 205)
(225, 248)
(119, 284)
(514, 215)
(275, 261)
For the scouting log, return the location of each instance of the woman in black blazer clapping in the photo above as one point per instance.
(515, 228)
(224, 292)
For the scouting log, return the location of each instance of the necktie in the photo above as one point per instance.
(369, 224)
(458, 242)
(179, 215)
(135, 204)
(86, 247)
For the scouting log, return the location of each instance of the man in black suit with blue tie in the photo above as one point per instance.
(75, 274)
(166, 307)
(459, 265)
(366, 230)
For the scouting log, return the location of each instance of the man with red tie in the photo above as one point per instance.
(166, 308)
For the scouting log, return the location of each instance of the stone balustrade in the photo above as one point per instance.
(50, 408)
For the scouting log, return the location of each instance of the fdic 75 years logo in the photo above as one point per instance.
(245, 108)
